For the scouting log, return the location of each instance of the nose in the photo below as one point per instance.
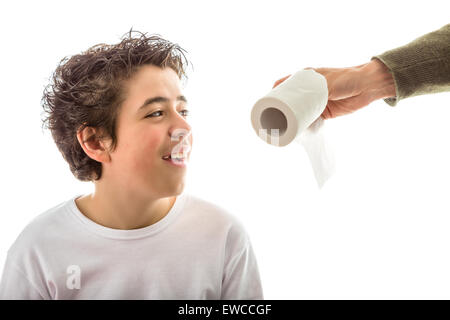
(180, 128)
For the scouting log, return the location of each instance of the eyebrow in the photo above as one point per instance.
(160, 99)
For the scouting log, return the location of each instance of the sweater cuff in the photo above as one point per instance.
(392, 101)
(421, 66)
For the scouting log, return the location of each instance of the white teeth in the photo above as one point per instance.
(179, 156)
(176, 157)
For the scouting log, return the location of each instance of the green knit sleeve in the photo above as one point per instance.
(421, 66)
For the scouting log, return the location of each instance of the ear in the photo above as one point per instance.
(92, 144)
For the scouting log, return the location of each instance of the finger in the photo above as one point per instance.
(280, 81)
(336, 108)
(326, 114)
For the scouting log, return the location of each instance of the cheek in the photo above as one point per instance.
(147, 150)
(151, 145)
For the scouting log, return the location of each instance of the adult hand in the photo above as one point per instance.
(350, 89)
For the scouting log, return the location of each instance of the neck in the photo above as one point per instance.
(121, 209)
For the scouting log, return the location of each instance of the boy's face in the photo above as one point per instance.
(146, 133)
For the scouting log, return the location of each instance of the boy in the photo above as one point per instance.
(119, 118)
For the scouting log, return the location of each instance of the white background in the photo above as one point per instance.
(378, 229)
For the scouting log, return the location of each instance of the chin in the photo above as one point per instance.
(179, 190)
(175, 191)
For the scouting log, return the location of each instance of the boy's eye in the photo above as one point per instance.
(184, 112)
(154, 114)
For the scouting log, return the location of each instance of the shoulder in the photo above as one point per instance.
(217, 218)
(42, 231)
(209, 210)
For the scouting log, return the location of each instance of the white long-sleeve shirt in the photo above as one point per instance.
(197, 251)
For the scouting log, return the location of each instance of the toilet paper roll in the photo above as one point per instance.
(291, 111)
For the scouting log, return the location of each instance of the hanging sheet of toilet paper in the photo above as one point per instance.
(291, 112)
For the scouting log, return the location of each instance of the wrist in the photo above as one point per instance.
(378, 79)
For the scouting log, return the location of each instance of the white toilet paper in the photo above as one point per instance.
(291, 111)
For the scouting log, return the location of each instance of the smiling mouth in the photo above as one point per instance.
(176, 157)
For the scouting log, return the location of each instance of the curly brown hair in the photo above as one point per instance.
(86, 90)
